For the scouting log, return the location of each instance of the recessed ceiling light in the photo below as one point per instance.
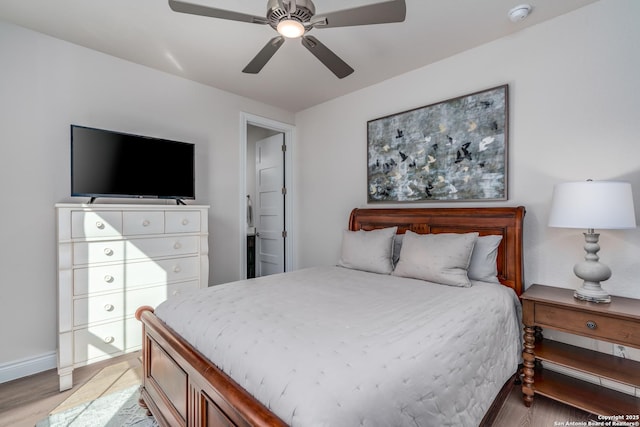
(518, 13)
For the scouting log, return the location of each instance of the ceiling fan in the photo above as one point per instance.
(295, 18)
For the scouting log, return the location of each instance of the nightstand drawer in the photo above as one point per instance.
(585, 323)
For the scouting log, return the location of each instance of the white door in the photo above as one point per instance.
(269, 209)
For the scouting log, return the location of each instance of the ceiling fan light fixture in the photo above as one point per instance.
(295, 18)
(290, 28)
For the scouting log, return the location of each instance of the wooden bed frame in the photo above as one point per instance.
(182, 388)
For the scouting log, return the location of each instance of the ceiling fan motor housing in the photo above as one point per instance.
(303, 12)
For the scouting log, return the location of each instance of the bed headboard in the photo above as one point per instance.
(504, 221)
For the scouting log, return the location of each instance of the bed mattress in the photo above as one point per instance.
(331, 346)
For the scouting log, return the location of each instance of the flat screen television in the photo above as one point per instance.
(114, 164)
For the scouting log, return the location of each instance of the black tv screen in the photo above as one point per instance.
(113, 164)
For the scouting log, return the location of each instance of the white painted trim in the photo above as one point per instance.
(289, 140)
(29, 366)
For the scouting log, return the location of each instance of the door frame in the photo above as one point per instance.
(289, 215)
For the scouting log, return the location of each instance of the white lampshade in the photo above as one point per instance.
(592, 205)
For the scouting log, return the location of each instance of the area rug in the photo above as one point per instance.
(118, 409)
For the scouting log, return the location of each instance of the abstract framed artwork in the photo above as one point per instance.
(454, 150)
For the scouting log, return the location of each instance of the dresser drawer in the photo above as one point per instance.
(594, 325)
(176, 289)
(142, 222)
(121, 277)
(133, 249)
(100, 251)
(107, 307)
(162, 247)
(182, 221)
(115, 306)
(96, 224)
(101, 341)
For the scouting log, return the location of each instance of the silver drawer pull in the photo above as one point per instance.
(100, 225)
(176, 292)
(108, 307)
(108, 251)
(109, 339)
(591, 324)
(185, 221)
(177, 245)
(177, 269)
(108, 278)
(146, 223)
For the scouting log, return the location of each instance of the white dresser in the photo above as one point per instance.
(113, 259)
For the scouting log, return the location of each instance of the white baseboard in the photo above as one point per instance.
(29, 366)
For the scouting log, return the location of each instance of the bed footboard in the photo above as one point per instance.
(182, 388)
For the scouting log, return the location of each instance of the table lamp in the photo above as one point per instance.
(592, 205)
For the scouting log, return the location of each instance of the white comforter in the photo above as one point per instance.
(330, 346)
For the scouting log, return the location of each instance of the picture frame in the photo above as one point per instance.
(453, 150)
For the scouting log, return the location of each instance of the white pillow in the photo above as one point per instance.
(483, 259)
(439, 258)
(368, 250)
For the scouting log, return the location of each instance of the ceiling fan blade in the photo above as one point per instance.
(195, 9)
(340, 68)
(379, 13)
(261, 59)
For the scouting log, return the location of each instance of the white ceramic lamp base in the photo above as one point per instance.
(592, 271)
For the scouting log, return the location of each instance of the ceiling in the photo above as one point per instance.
(214, 51)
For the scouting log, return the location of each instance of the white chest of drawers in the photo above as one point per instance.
(113, 259)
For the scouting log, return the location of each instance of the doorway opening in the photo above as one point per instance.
(266, 205)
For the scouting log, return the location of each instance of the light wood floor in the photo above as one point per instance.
(543, 413)
(25, 401)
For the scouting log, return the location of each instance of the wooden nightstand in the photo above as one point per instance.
(617, 322)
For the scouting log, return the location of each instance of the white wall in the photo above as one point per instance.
(574, 98)
(47, 84)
